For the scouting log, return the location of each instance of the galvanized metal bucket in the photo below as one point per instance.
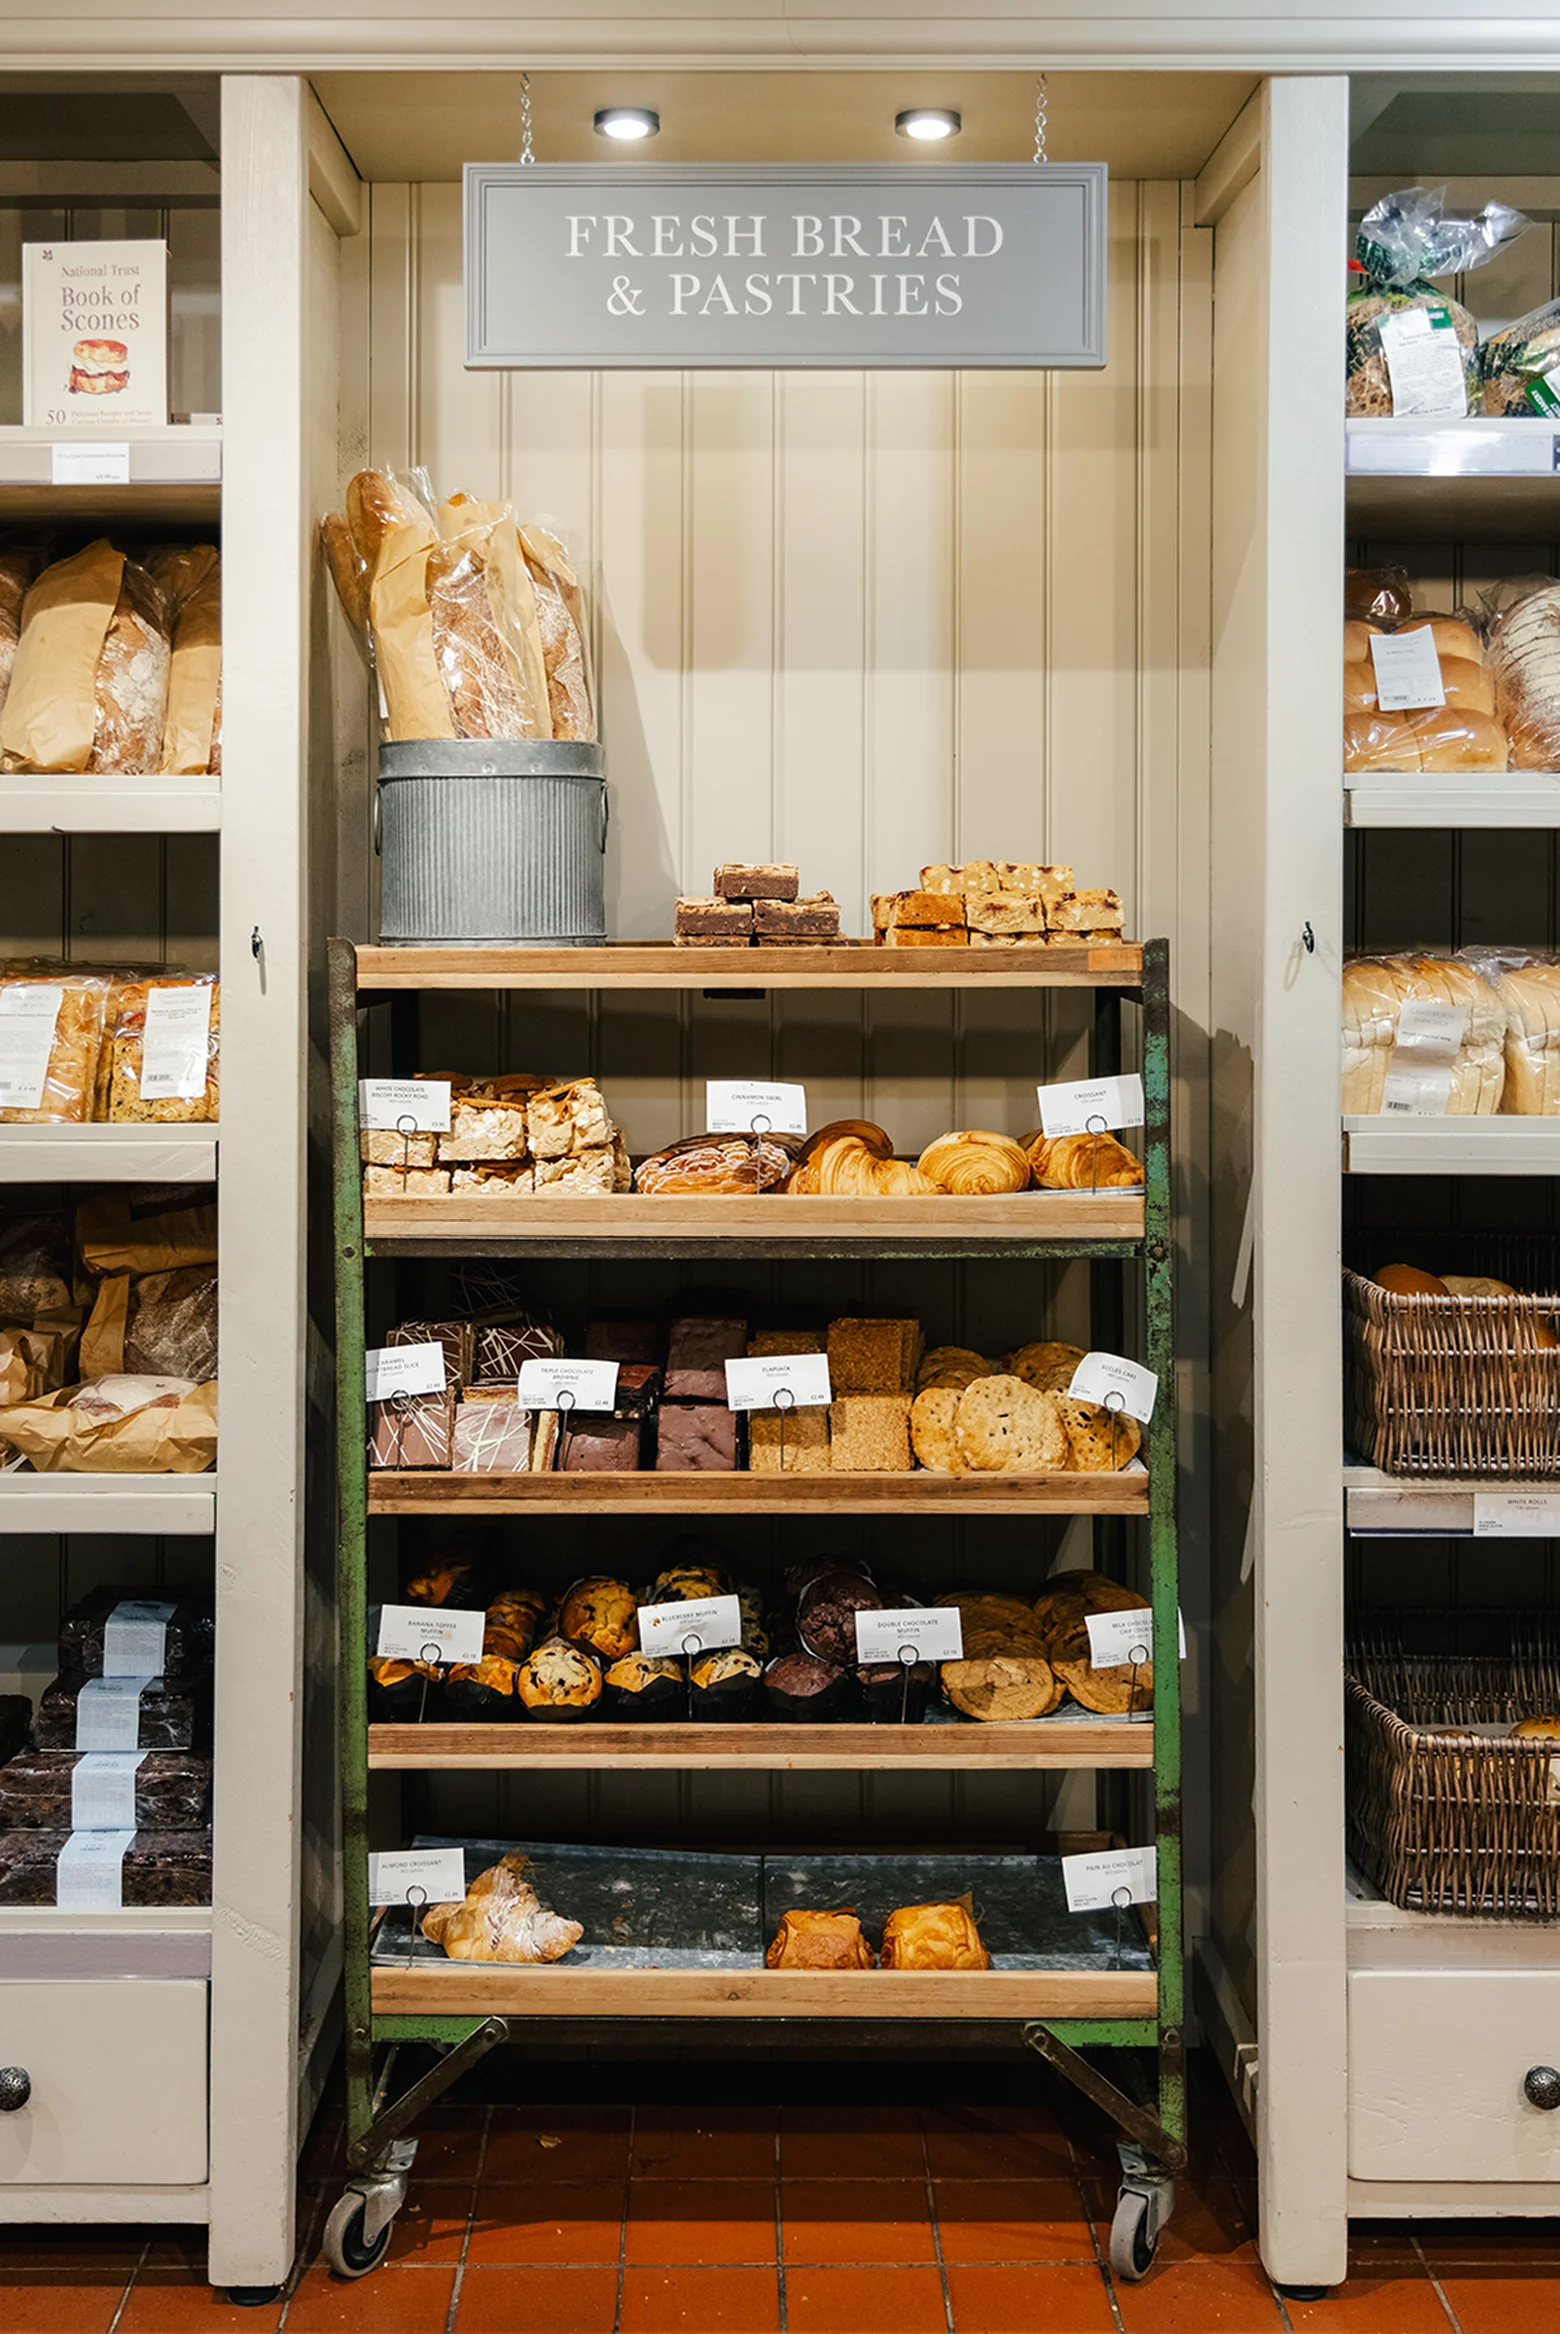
(487, 843)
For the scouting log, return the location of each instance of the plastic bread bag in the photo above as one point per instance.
(51, 1036)
(35, 1265)
(1410, 348)
(117, 1426)
(163, 1051)
(1449, 739)
(1445, 1059)
(150, 1230)
(560, 606)
(1527, 984)
(487, 639)
(1517, 364)
(1377, 595)
(1524, 658)
(164, 1632)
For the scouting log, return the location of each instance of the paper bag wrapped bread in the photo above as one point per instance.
(117, 1426)
(89, 683)
(476, 626)
(191, 578)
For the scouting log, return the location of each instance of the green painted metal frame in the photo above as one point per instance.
(1164, 2034)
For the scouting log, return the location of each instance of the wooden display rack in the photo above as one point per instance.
(1058, 2010)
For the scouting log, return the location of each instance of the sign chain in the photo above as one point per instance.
(1040, 117)
(527, 152)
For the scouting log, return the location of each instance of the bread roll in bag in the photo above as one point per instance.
(1375, 989)
(50, 717)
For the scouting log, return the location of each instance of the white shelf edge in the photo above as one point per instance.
(172, 454)
(33, 804)
(51, 1920)
(1406, 1507)
(1469, 447)
(1451, 798)
(1451, 1146)
(108, 1154)
(108, 1503)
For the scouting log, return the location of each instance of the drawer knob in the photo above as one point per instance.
(1542, 2086)
(16, 2089)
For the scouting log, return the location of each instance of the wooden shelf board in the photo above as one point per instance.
(1058, 1743)
(34, 805)
(459, 1991)
(175, 475)
(108, 1154)
(776, 1223)
(627, 964)
(108, 1503)
(435, 1492)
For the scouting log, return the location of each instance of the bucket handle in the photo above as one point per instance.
(378, 825)
(606, 814)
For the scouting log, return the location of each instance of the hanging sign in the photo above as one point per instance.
(584, 264)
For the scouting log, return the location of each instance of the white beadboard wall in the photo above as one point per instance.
(861, 621)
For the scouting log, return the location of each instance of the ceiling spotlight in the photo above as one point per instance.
(629, 123)
(928, 123)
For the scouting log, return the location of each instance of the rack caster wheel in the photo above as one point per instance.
(1145, 2203)
(347, 2246)
(253, 2297)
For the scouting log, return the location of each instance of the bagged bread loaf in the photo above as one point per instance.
(50, 717)
(1410, 348)
(486, 636)
(1524, 656)
(51, 1037)
(1518, 362)
(1528, 990)
(560, 609)
(1435, 1065)
(163, 1051)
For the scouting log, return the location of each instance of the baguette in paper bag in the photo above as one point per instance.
(118, 1426)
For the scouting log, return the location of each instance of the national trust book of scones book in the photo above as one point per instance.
(95, 334)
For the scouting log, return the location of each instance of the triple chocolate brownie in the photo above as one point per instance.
(696, 1438)
(764, 881)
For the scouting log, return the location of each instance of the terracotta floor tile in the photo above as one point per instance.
(694, 2221)
(1374, 2244)
(1502, 2242)
(1205, 2297)
(548, 2220)
(1028, 2300)
(449, 2144)
(855, 2143)
(1012, 2220)
(1500, 2299)
(542, 2301)
(856, 2221)
(1390, 2301)
(390, 2301)
(431, 2224)
(697, 2301)
(862, 2301)
(977, 2143)
(570, 2143)
(167, 2300)
(43, 2301)
(718, 2143)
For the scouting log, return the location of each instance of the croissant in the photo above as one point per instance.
(1082, 1163)
(975, 1162)
(933, 1936)
(501, 1919)
(874, 1137)
(846, 1168)
(807, 1940)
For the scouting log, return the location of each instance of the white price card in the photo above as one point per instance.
(28, 1013)
(732, 1107)
(1093, 1107)
(1118, 1639)
(934, 1632)
(1116, 1384)
(582, 1385)
(403, 1369)
(703, 1625)
(176, 1044)
(779, 1381)
(107, 463)
(1408, 670)
(417, 1876)
(429, 1633)
(405, 1105)
(1516, 1515)
(1424, 361)
(1094, 1882)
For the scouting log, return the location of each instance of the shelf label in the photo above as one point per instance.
(930, 1632)
(1418, 1083)
(704, 1625)
(1115, 1383)
(765, 1382)
(1095, 1107)
(734, 1108)
(102, 1791)
(107, 463)
(418, 1877)
(568, 1385)
(1516, 1515)
(1408, 670)
(1424, 361)
(28, 1013)
(108, 1713)
(89, 1872)
(403, 1369)
(1096, 1881)
(432, 1633)
(176, 1043)
(388, 1103)
(1470, 452)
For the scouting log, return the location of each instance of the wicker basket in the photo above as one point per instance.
(1456, 1822)
(1458, 1385)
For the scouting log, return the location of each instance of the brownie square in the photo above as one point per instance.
(812, 919)
(714, 919)
(697, 1353)
(696, 1437)
(763, 880)
(413, 1430)
(597, 1444)
(625, 1337)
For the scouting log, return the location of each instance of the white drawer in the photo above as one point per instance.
(118, 2068)
(1436, 2063)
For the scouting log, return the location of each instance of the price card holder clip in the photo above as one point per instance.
(430, 1655)
(909, 1655)
(784, 1401)
(1095, 1127)
(692, 1644)
(758, 1126)
(565, 1399)
(1139, 1655)
(405, 1127)
(416, 1902)
(1115, 1402)
(1120, 1897)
